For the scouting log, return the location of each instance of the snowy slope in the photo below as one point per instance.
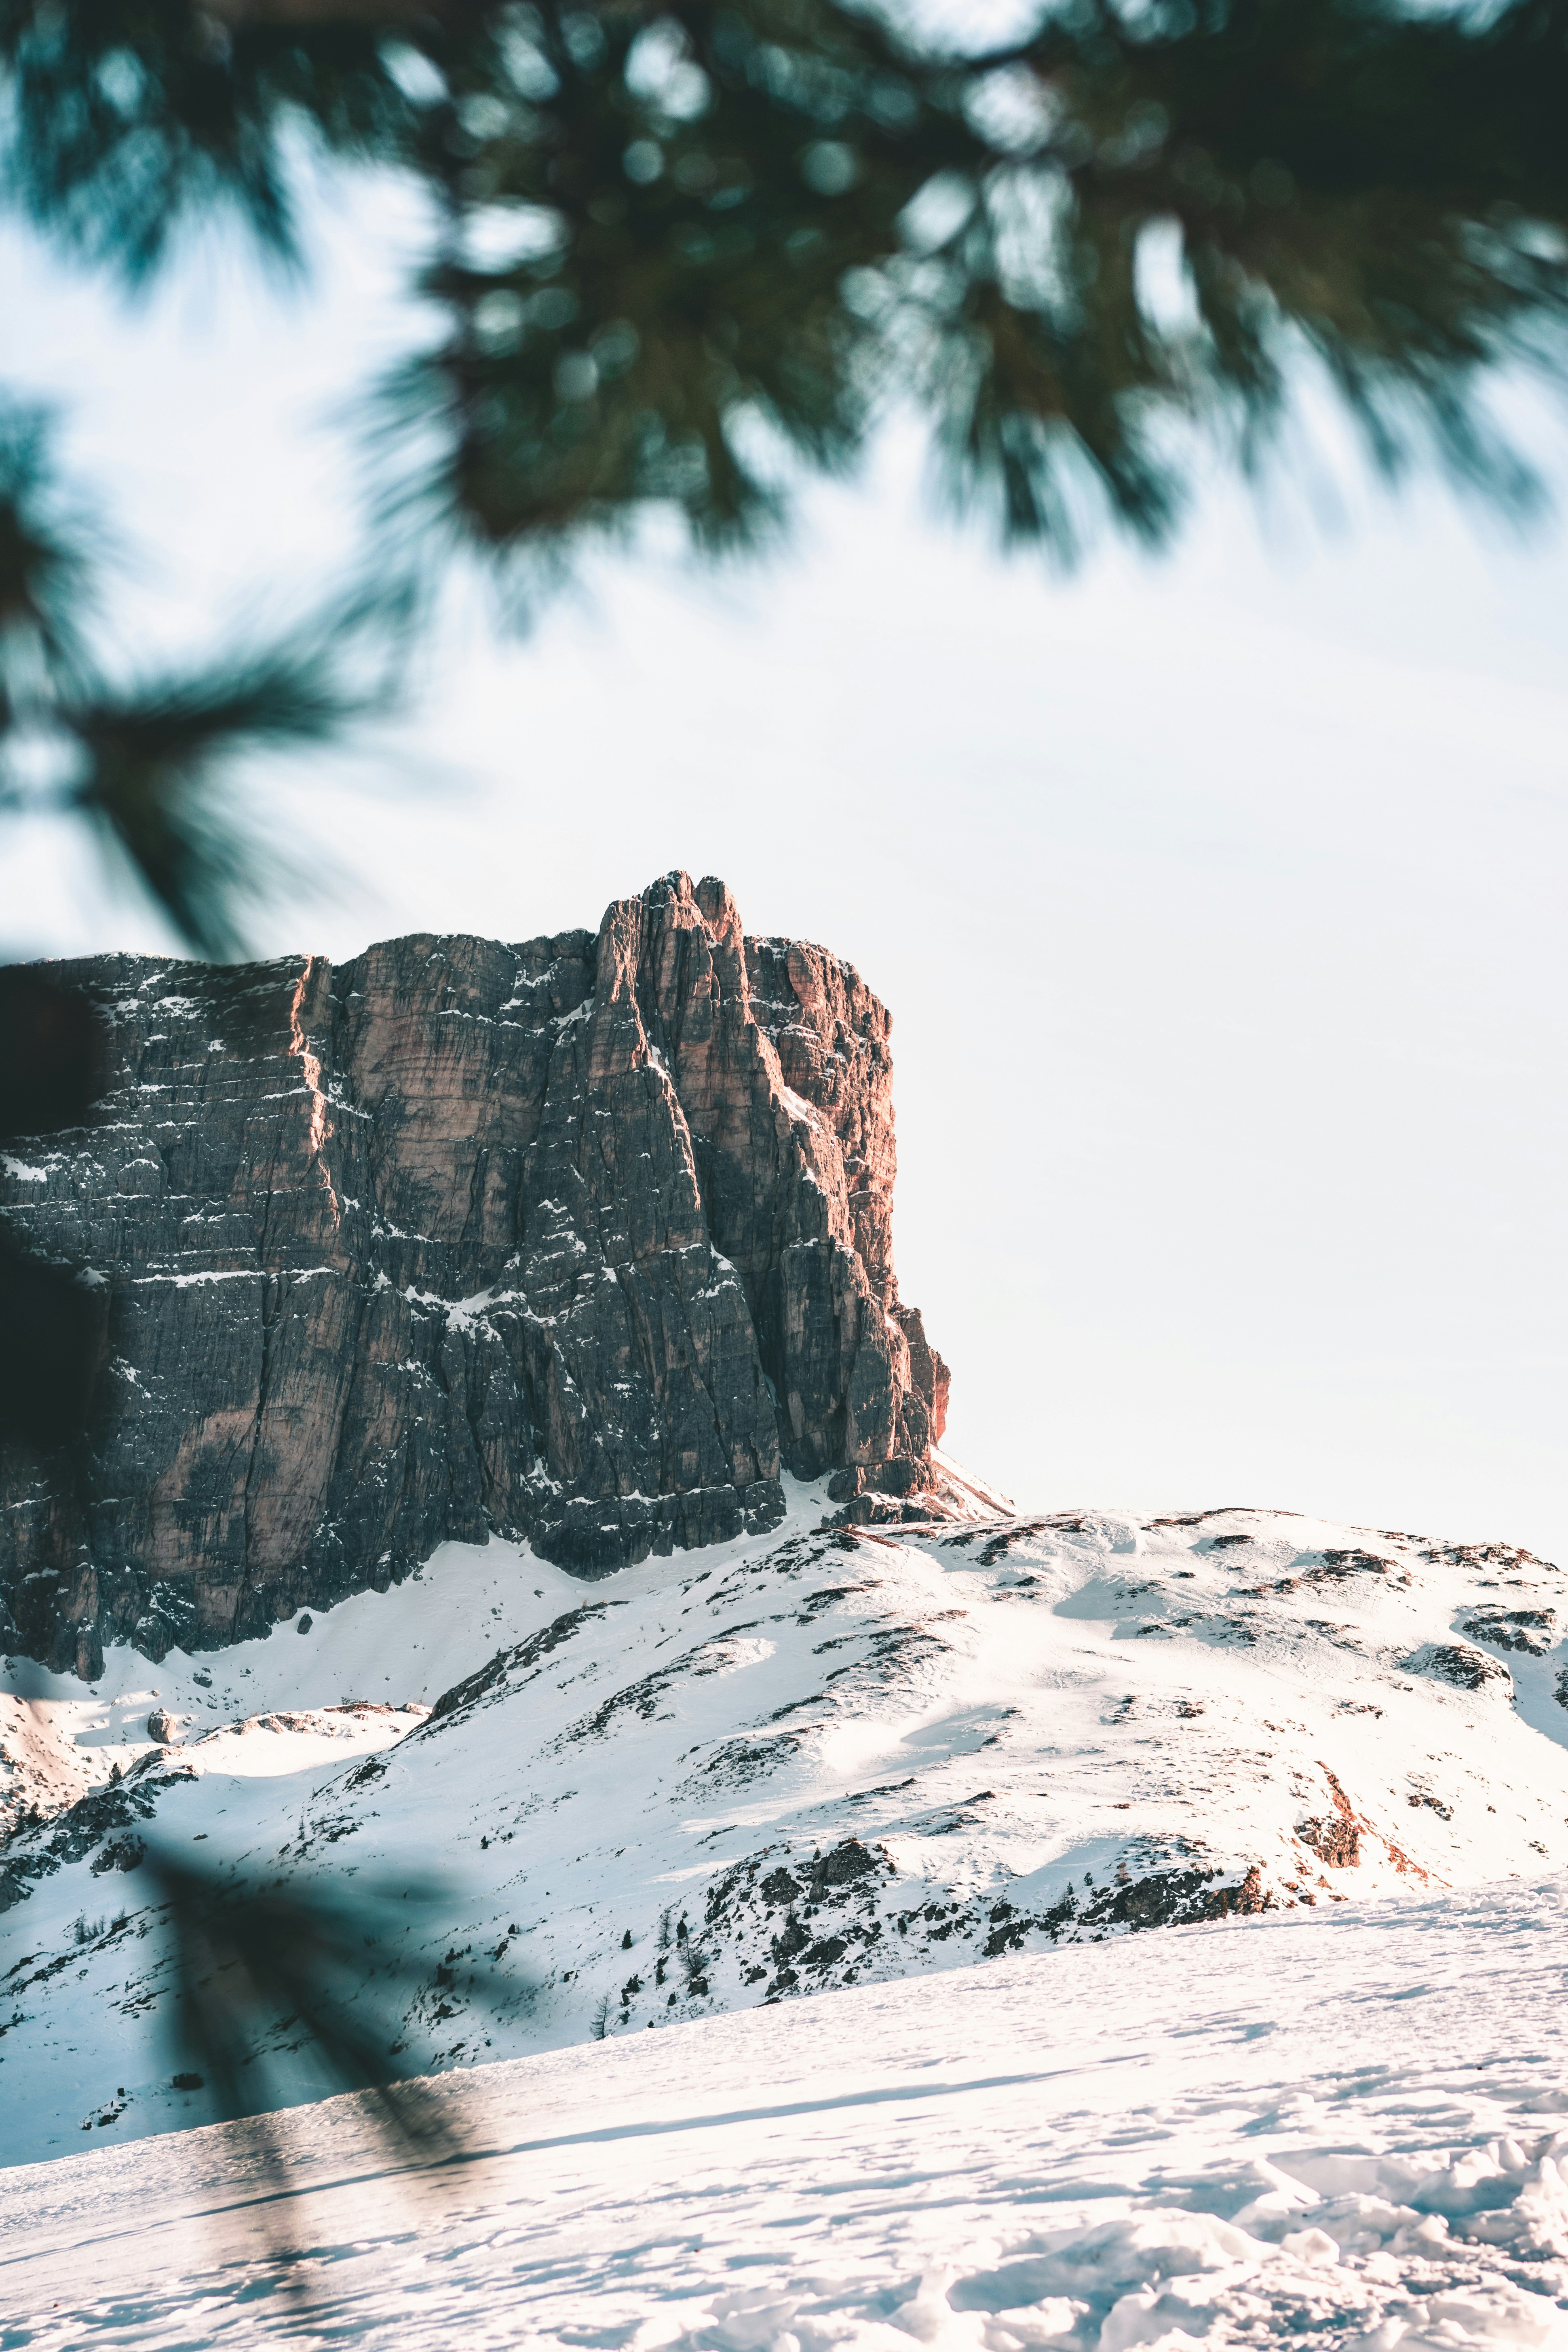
(818, 1759)
(60, 1737)
(1323, 2128)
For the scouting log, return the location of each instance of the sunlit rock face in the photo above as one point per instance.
(582, 1239)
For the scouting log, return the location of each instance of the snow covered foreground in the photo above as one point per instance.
(1323, 2128)
(823, 1759)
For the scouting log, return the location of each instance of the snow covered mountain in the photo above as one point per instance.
(815, 1758)
(512, 1508)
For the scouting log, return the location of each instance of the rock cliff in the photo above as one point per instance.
(581, 1239)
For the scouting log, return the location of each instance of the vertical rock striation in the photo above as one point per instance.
(585, 1240)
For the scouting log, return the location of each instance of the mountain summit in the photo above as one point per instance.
(585, 1240)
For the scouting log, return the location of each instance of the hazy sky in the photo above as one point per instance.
(1219, 900)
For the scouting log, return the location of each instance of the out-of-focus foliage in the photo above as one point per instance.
(128, 119)
(669, 233)
(258, 1967)
(258, 1971)
(777, 214)
(153, 755)
(676, 242)
(52, 1326)
(45, 560)
(143, 758)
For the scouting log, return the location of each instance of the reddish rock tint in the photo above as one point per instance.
(584, 1239)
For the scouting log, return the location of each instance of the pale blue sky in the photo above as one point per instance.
(1217, 899)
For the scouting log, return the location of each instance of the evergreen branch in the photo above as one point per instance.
(47, 551)
(322, 1961)
(154, 758)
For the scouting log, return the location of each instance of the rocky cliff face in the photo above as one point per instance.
(582, 1239)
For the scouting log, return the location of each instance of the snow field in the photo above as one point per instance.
(1323, 2128)
(60, 1737)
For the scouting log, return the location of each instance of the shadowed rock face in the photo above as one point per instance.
(581, 1239)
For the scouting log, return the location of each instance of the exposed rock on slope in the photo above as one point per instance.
(582, 1239)
(821, 1757)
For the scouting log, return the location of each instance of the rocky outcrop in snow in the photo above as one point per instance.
(584, 1239)
(823, 1757)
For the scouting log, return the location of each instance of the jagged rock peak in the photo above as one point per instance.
(582, 1239)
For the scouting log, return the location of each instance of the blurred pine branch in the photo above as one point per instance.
(264, 1969)
(681, 249)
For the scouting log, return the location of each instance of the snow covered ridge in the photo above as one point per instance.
(1302, 2128)
(819, 1759)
